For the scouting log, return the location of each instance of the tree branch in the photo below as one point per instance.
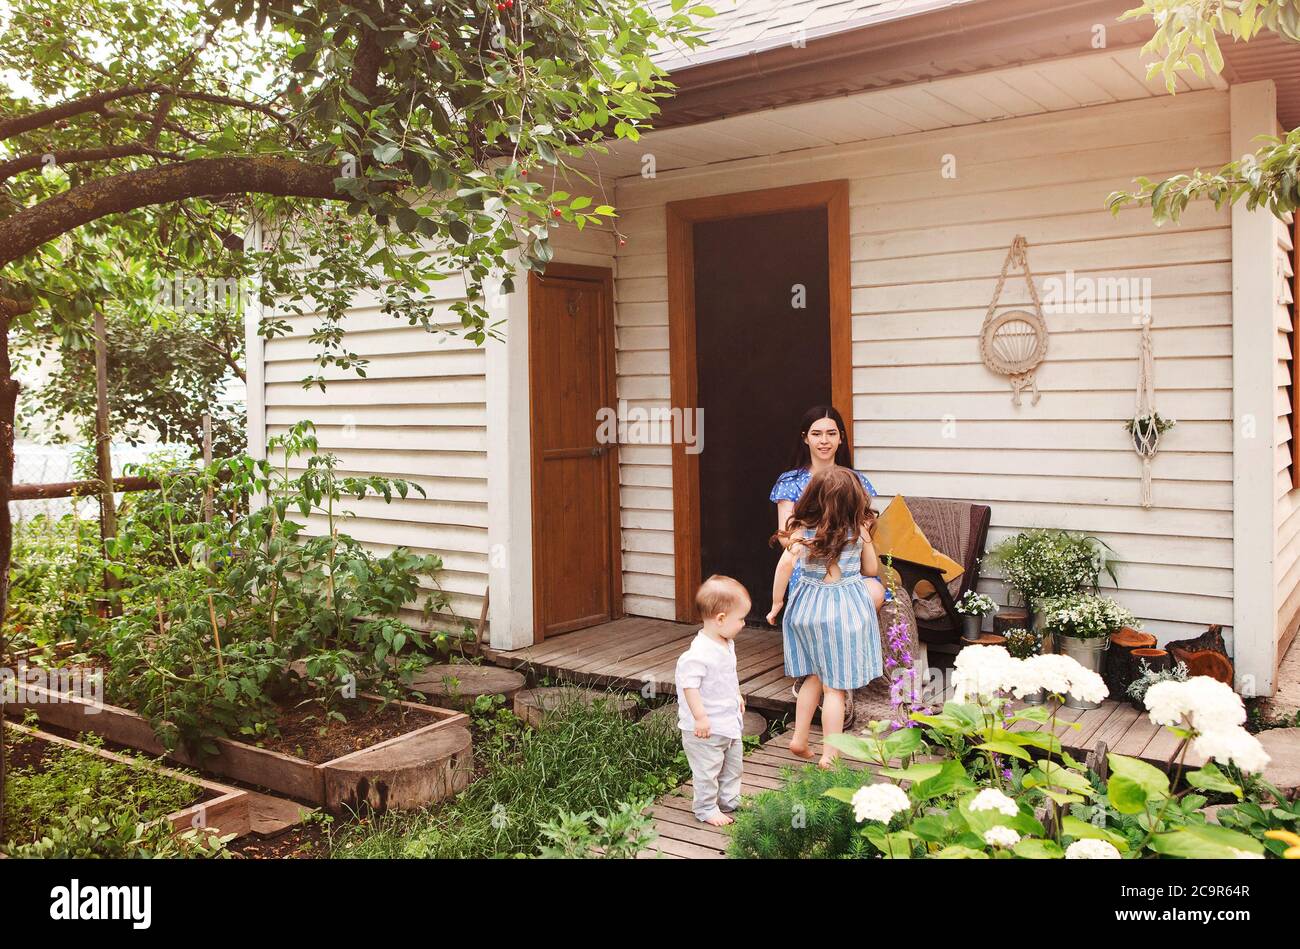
(26, 123)
(74, 156)
(28, 229)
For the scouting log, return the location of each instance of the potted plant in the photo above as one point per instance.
(1137, 689)
(1023, 643)
(1081, 624)
(1043, 562)
(974, 607)
(1147, 429)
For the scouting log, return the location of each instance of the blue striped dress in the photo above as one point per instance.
(830, 628)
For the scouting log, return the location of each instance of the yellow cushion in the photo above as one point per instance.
(897, 535)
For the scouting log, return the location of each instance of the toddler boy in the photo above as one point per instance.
(710, 708)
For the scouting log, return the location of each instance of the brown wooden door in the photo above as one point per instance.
(575, 486)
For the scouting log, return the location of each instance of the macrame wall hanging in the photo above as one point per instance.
(1014, 342)
(1147, 425)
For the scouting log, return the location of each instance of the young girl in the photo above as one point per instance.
(830, 630)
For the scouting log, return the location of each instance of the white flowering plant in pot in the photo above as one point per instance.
(1044, 562)
(1084, 616)
(957, 801)
(975, 604)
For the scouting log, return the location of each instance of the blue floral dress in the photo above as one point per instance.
(790, 487)
(830, 628)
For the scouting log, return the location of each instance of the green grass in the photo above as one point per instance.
(583, 759)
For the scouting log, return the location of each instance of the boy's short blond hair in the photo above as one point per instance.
(720, 594)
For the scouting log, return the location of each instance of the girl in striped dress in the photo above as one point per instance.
(830, 630)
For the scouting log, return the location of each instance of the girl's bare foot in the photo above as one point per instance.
(802, 751)
(719, 820)
(827, 762)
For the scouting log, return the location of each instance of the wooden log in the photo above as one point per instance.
(1121, 668)
(1009, 618)
(404, 772)
(1205, 655)
(533, 705)
(458, 686)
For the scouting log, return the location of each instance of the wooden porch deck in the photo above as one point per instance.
(629, 653)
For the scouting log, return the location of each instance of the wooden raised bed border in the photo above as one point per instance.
(286, 774)
(226, 813)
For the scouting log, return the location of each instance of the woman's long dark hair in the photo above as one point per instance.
(802, 457)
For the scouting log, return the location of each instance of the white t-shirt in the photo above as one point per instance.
(710, 667)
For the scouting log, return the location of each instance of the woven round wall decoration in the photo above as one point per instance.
(1014, 342)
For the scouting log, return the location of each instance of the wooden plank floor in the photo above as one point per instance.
(633, 652)
(681, 836)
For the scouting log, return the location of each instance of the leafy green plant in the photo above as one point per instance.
(585, 758)
(255, 611)
(56, 582)
(80, 805)
(1148, 677)
(619, 835)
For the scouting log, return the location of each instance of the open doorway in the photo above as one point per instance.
(762, 356)
(759, 330)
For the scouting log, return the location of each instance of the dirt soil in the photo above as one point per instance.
(300, 842)
(307, 733)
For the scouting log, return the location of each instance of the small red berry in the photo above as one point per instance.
(557, 212)
(510, 4)
(298, 89)
(434, 44)
(523, 172)
(622, 241)
(501, 7)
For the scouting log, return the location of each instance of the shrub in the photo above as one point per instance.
(797, 821)
(1045, 562)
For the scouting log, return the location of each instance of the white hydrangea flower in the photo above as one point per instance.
(1087, 685)
(1001, 837)
(981, 671)
(1233, 744)
(1088, 849)
(879, 802)
(1206, 703)
(991, 799)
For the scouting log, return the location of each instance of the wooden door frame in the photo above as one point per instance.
(604, 276)
(684, 389)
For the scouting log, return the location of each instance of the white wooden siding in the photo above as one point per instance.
(419, 414)
(926, 251)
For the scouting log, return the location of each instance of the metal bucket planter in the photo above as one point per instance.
(1035, 698)
(1089, 653)
(970, 627)
(1038, 624)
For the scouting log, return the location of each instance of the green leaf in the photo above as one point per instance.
(1204, 842)
(1080, 829)
(1132, 783)
(1032, 848)
(1210, 778)
(960, 852)
(913, 773)
(1005, 748)
(950, 780)
(840, 794)
(854, 747)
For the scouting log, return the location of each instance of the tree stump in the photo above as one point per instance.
(405, 773)
(1009, 618)
(457, 686)
(1121, 667)
(533, 705)
(753, 724)
(1205, 655)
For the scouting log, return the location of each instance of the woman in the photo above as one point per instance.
(822, 444)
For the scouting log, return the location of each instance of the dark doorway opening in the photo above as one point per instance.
(763, 356)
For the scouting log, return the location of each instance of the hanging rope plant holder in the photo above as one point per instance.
(1014, 342)
(1147, 425)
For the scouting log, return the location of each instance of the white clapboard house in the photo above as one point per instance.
(821, 215)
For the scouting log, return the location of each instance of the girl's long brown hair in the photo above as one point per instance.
(836, 508)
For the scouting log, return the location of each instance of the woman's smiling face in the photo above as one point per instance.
(823, 439)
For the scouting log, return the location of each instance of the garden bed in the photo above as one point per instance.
(207, 805)
(428, 760)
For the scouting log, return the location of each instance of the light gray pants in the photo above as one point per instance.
(717, 764)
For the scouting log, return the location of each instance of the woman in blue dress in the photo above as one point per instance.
(823, 444)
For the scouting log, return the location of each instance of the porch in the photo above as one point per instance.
(632, 652)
